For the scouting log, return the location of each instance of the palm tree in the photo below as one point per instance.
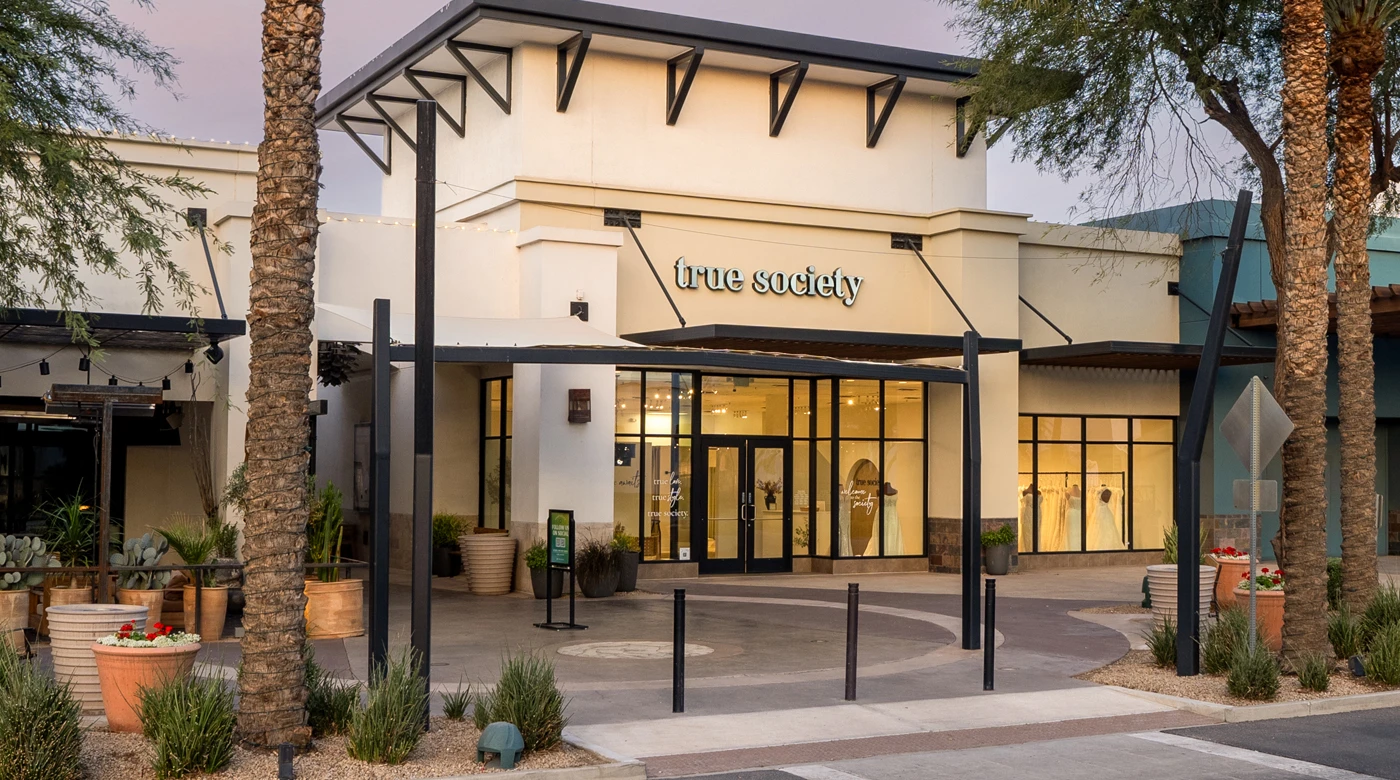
(1303, 325)
(1359, 30)
(272, 689)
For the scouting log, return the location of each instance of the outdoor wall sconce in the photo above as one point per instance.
(580, 406)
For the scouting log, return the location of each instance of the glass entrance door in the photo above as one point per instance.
(746, 509)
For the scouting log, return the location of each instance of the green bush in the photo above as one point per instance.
(1383, 661)
(390, 725)
(189, 722)
(1003, 534)
(40, 738)
(623, 541)
(1383, 611)
(1161, 642)
(325, 529)
(330, 703)
(1334, 583)
(1344, 632)
(455, 704)
(446, 529)
(1253, 675)
(1230, 631)
(528, 697)
(536, 556)
(1314, 671)
(1170, 544)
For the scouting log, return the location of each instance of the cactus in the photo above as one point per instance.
(23, 552)
(144, 551)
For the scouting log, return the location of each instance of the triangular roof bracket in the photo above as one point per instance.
(569, 70)
(458, 123)
(678, 89)
(456, 49)
(374, 100)
(875, 122)
(780, 105)
(384, 162)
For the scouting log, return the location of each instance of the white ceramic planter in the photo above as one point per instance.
(489, 560)
(1161, 584)
(72, 631)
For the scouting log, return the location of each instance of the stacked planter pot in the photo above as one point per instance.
(335, 610)
(14, 617)
(490, 563)
(213, 609)
(1161, 583)
(72, 631)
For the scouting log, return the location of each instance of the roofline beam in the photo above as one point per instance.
(875, 124)
(455, 48)
(779, 107)
(373, 101)
(414, 78)
(384, 162)
(568, 71)
(676, 93)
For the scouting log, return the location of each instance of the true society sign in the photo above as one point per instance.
(836, 284)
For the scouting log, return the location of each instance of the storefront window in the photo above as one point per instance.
(823, 410)
(1060, 498)
(627, 481)
(860, 409)
(1152, 494)
(497, 408)
(858, 521)
(651, 471)
(822, 496)
(629, 402)
(801, 497)
(666, 505)
(668, 403)
(902, 498)
(1026, 498)
(904, 410)
(1106, 494)
(743, 405)
(801, 409)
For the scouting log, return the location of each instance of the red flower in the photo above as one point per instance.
(128, 627)
(1278, 573)
(1244, 576)
(1265, 570)
(1217, 551)
(165, 629)
(151, 637)
(158, 626)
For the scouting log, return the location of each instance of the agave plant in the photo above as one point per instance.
(145, 551)
(192, 541)
(325, 530)
(71, 532)
(23, 552)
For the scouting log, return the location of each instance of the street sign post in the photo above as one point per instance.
(559, 529)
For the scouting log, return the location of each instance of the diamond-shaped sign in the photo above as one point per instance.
(1273, 429)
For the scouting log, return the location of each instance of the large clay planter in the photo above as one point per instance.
(125, 671)
(1268, 614)
(1161, 584)
(213, 609)
(73, 629)
(335, 610)
(14, 617)
(150, 599)
(1230, 571)
(490, 563)
(627, 575)
(55, 596)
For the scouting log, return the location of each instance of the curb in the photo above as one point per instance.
(623, 770)
(1230, 713)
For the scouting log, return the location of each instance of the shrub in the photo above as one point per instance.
(1253, 675)
(191, 540)
(1383, 661)
(1334, 584)
(1161, 641)
(1384, 610)
(1003, 534)
(623, 541)
(325, 529)
(446, 529)
(596, 560)
(1314, 671)
(40, 738)
(390, 725)
(1230, 631)
(330, 703)
(1344, 632)
(189, 722)
(536, 556)
(528, 697)
(1170, 544)
(455, 704)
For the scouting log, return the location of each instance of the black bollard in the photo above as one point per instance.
(285, 753)
(678, 656)
(989, 640)
(852, 637)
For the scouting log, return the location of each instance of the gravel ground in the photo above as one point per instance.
(1136, 670)
(449, 748)
(1117, 609)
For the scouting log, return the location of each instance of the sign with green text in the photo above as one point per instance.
(561, 551)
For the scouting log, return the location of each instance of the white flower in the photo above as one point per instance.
(138, 639)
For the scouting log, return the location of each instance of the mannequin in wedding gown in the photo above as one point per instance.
(1075, 523)
(1106, 533)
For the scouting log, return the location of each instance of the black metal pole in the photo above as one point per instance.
(852, 636)
(380, 415)
(972, 494)
(424, 341)
(104, 510)
(573, 586)
(1188, 456)
(989, 642)
(678, 655)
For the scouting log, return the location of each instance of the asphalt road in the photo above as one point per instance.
(1364, 742)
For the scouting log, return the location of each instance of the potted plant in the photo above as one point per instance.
(70, 533)
(1162, 580)
(598, 567)
(334, 602)
(142, 588)
(19, 552)
(997, 545)
(132, 660)
(1269, 596)
(629, 557)
(447, 559)
(771, 490)
(489, 559)
(1231, 564)
(545, 582)
(191, 540)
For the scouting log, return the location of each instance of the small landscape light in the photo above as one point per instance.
(1358, 666)
(285, 754)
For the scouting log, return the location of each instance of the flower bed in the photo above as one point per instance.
(1230, 554)
(1137, 671)
(1266, 580)
(162, 636)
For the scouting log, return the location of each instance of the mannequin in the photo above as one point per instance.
(1107, 535)
(894, 540)
(1075, 522)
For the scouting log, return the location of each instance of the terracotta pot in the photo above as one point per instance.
(172, 609)
(335, 610)
(73, 629)
(1230, 571)
(1161, 584)
(213, 610)
(125, 671)
(14, 618)
(490, 562)
(1268, 614)
(150, 599)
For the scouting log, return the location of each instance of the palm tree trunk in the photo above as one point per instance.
(1357, 54)
(272, 690)
(1303, 324)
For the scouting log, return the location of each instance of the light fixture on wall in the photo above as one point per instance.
(215, 353)
(580, 405)
(43, 368)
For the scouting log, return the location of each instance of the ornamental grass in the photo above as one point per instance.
(390, 725)
(189, 722)
(40, 738)
(527, 696)
(1253, 674)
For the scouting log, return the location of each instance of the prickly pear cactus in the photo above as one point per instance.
(23, 552)
(144, 551)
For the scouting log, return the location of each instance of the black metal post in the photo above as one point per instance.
(199, 605)
(852, 637)
(1188, 456)
(424, 341)
(380, 416)
(573, 567)
(104, 510)
(972, 494)
(989, 642)
(678, 655)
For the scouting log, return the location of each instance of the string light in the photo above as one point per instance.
(112, 380)
(84, 364)
(43, 368)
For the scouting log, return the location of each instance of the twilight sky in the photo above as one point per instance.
(218, 44)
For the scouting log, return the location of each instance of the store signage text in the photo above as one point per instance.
(836, 284)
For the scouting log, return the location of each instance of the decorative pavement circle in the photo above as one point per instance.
(631, 651)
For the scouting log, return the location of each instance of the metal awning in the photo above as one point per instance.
(1385, 312)
(111, 331)
(846, 344)
(356, 326)
(1161, 356)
